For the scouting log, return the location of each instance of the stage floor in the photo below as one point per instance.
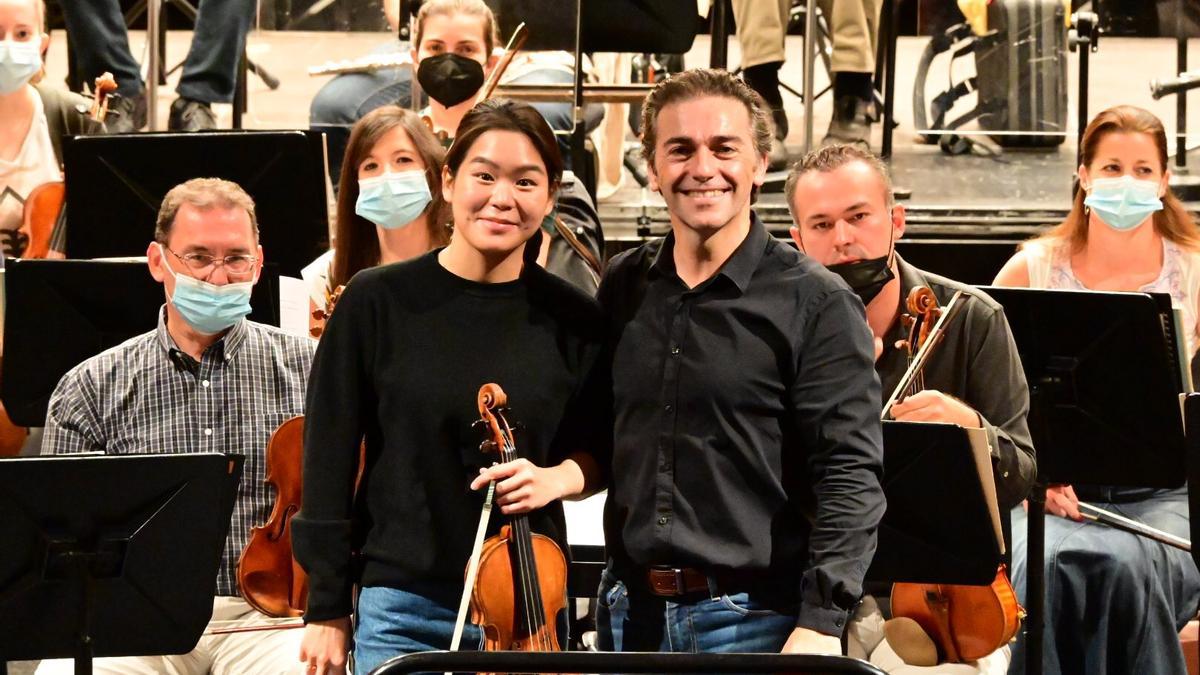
(964, 195)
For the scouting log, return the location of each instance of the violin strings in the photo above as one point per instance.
(520, 527)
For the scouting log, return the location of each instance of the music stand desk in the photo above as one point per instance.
(111, 555)
(939, 526)
(1103, 378)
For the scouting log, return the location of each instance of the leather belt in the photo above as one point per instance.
(670, 582)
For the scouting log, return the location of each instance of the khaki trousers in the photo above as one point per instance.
(271, 652)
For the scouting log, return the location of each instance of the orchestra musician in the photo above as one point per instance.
(33, 117)
(399, 367)
(463, 27)
(205, 380)
(744, 482)
(389, 205)
(1115, 602)
(841, 200)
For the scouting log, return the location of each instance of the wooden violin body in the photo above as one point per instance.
(496, 600)
(270, 579)
(521, 584)
(965, 622)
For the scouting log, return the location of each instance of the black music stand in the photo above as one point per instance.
(117, 183)
(946, 534)
(111, 555)
(1104, 378)
(62, 312)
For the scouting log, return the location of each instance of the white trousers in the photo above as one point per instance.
(270, 652)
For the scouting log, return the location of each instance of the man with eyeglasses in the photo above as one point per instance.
(205, 380)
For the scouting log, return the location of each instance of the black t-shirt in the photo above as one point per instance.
(400, 364)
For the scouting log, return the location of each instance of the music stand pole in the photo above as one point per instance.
(1035, 553)
(154, 59)
(810, 43)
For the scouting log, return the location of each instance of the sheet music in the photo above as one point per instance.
(585, 520)
(293, 305)
(983, 463)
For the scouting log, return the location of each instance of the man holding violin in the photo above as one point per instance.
(744, 491)
(846, 217)
(205, 380)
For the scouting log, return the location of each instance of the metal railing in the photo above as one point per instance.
(632, 662)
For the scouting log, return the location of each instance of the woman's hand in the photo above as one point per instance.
(522, 486)
(325, 645)
(1062, 502)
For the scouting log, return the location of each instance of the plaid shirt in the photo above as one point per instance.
(147, 396)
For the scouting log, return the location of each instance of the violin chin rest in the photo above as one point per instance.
(910, 642)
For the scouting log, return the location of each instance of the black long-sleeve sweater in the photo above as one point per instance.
(400, 364)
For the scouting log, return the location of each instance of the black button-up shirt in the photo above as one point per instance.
(746, 422)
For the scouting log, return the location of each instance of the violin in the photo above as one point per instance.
(269, 577)
(966, 622)
(521, 583)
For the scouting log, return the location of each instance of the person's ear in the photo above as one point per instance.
(899, 223)
(1085, 180)
(795, 232)
(155, 261)
(447, 184)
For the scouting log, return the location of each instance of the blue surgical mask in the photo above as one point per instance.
(19, 62)
(1123, 203)
(393, 200)
(206, 307)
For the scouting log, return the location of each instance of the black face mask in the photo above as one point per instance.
(449, 78)
(865, 277)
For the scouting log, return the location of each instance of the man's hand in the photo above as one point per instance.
(931, 405)
(1062, 502)
(522, 486)
(808, 641)
(325, 645)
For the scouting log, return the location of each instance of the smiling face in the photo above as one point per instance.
(705, 164)
(842, 215)
(500, 193)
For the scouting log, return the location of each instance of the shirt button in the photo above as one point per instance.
(675, 351)
(1006, 474)
(662, 520)
(204, 383)
(667, 407)
(208, 432)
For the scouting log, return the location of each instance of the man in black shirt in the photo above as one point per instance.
(744, 490)
(841, 200)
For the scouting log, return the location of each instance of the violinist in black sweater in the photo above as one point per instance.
(400, 363)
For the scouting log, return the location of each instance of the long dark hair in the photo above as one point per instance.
(507, 115)
(1173, 222)
(356, 244)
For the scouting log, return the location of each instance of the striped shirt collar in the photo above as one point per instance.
(227, 347)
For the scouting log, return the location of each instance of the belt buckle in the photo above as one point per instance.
(661, 588)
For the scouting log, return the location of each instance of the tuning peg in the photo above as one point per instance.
(488, 447)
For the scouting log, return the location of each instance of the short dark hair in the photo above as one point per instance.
(697, 83)
(203, 193)
(507, 115)
(832, 158)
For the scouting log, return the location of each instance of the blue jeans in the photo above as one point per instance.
(391, 622)
(1115, 602)
(99, 42)
(641, 622)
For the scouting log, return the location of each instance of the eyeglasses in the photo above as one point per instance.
(234, 264)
